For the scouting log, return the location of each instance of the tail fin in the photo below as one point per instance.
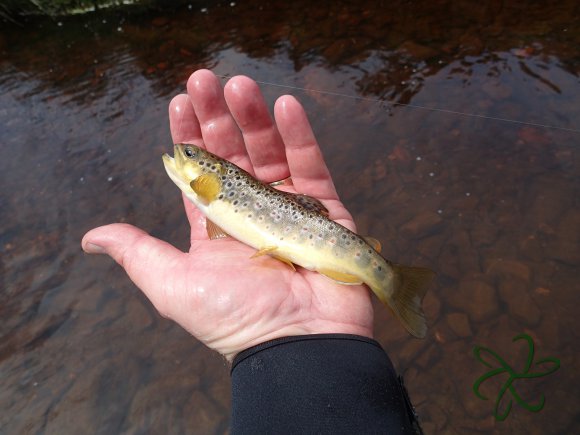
(409, 287)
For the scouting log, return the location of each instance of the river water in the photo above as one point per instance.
(484, 190)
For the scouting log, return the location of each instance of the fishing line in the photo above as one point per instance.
(414, 106)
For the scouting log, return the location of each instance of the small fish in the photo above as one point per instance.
(295, 229)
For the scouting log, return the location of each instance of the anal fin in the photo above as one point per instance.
(341, 277)
(286, 261)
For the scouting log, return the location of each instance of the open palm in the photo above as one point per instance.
(216, 291)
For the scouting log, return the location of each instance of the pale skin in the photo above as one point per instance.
(215, 291)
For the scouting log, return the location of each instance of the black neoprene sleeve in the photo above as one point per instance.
(319, 384)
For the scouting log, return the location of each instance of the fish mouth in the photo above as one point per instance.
(174, 166)
(178, 156)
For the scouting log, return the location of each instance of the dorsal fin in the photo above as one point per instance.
(310, 203)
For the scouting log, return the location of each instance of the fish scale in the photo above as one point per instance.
(295, 229)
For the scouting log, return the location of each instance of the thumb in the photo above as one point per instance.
(146, 260)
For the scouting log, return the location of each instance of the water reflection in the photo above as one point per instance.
(492, 206)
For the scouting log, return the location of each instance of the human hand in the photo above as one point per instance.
(216, 291)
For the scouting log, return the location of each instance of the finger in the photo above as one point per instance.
(263, 142)
(307, 167)
(183, 122)
(184, 127)
(148, 261)
(220, 133)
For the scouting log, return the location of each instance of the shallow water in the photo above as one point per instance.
(491, 205)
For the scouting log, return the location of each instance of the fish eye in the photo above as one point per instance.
(189, 152)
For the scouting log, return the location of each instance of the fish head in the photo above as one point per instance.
(188, 163)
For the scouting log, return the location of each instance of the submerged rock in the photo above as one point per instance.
(422, 225)
(477, 298)
(459, 324)
(515, 294)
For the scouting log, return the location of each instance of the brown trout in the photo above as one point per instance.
(295, 229)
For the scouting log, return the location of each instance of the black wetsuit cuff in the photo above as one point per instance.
(319, 384)
(285, 340)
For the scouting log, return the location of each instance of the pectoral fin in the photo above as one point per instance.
(207, 187)
(340, 277)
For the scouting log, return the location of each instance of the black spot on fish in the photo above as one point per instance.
(235, 202)
(250, 215)
(213, 167)
(221, 196)
(231, 194)
(370, 251)
(201, 162)
(224, 178)
(343, 236)
(229, 184)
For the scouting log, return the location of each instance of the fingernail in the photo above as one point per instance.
(91, 248)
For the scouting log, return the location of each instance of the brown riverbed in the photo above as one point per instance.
(491, 204)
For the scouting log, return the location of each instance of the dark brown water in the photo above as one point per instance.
(491, 205)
